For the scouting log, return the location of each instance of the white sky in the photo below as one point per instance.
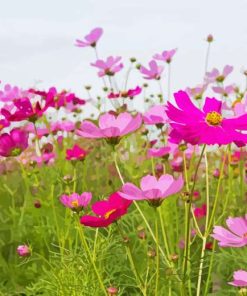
(37, 37)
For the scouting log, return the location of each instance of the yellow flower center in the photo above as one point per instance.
(75, 203)
(108, 214)
(213, 118)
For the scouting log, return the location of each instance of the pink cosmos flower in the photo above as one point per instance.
(152, 189)
(240, 107)
(76, 201)
(126, 94)
(236, 237)
(76, 153)
(23, 250)
(24, 110)
(111, 127)
(156, 115)
(109, 67)
(153, 72)
(14, 143)
(177, 164)
(158, 152)
(205, 126)
(107, 211)
(165, 56)
(45, 158)
(11, 93)
(91, 39)
(216, 76)
(239, 278)
(197, 91)
(225, 90)
(39, 131)
(201, 211)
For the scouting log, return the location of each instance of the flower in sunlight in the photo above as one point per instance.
(206, 126)
(91, 39)
(152, 189)
(76, 201)
(107, 211)
(236, 236)
(216, 76)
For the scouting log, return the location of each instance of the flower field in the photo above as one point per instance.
(123, 202)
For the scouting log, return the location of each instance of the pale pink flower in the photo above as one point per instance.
(153, 72)
(197, 91)
(156, 115)
(236, 237)
(109, 67)
(239, 278)
(91, 39)
(166, 55)
(110, 126)
(224, 90)
(158, 152)
(152, 189)
(216, 76)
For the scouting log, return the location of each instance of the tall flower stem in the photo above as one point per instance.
(141, 283)
(86, 247)
(157, 254)
(187, 239)
(37, 144)
(97, 57)
(169, 81)
(207, 58)
(168, 263)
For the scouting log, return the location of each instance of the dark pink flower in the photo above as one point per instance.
(200, 212)
(76, 153)
(76, 201)
(152, 189)
(236, 237)
(107, 211)
(165, 56)
(91, 39)
(153, 72)
(14, 143)
(131, 93)
(110, 126)
(109, 67)
(205, 126)
(239, 278)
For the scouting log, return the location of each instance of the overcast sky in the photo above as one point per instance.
(37, 37)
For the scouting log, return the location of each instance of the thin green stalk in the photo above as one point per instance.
(157, 254)
(85, 245)
(164, 233)
(210, 270)
(138, 277)
(186, 251)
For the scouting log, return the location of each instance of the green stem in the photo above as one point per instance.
(157, 254)
(85, 245)
(186, 251)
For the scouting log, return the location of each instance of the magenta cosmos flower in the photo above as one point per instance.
(153, 72)
(205, 126)
(107, 211)
(91, 39)
(152, 189)
(109, 67)
(158, 152)
(111, 127)
(76, 153)
(165, 56)
(76, 201)
(216, 76)
(14, 143)
(25, 110)
(156, 115)
(236, 237)
(239, 278)
(131, 93)
(23, 250)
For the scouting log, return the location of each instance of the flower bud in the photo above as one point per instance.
(210, 38)
(112, 291)
(23, 250)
